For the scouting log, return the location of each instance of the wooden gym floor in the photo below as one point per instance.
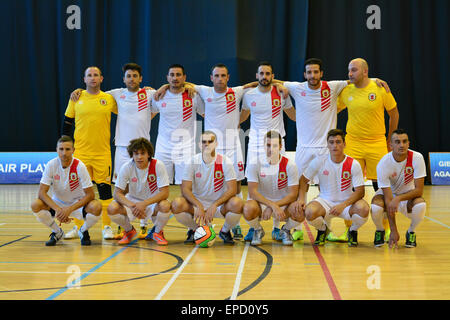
(143, 270)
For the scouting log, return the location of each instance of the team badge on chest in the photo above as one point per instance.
(103, 102)
(372, 97)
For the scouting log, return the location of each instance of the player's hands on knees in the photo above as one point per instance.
(392, 206)
(278, 212)
(199, 215)
(393, 239)
(209, 213)
(337, 210)
(266, 214)
(299, 207)
(63, 214)
(75, 95)
(139, 210)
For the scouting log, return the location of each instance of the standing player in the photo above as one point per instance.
(401, 174)
(266, 107)
(91, 115)
(175, 144)
(208, 191)
(273, 189)
(337, 174)
(73, 194)
(142, 189)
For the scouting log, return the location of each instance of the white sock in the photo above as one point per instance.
(122, 221)
(186, 219)
(276, 223)
(290, 224)
(89, 222)
(45, 217)
(255, 224)
(377, 216)
(417, 214)
(239, 195)
(161, 221)
(357, 222)
(231, 220)
(318, 223)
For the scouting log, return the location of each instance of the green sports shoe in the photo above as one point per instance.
(342, 238)
(410, 240)
(387, 234)
(352, 238)
(321, 237)
(297, 235)
(237, 233)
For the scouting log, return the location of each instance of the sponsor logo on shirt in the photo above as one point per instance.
(209, 100)
(134, 179)
(122, 97)
(253, 104)
(164, 105)
(57, 177)
(325, 172)
(303, 94)
(198, 175)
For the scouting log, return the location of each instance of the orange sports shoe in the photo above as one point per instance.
(128, 236)
(159, 238)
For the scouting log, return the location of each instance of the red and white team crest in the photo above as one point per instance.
(409, 170)
(276, 102)
(134, 179)
(230, 97)
(346, 175)
(282, 176)
(253, 104)
(218, 175)
(325, 93)
(142, 96)
(103, 102)
(187, 103)
(57, 177)
(372, 96)
(198, 175)
(151, 178)
(73, 176)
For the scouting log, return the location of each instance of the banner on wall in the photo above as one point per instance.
(440, 168)
(23, 167)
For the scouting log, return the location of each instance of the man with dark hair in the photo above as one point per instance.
(338, 174)
(142, 189)
(273, 189)
(91, 115)
(72, 191)
(401, 174)
(208, 191)
(133, 121)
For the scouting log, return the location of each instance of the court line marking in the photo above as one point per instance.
(323, 264)
(5, 244)
(117, 273)
(61, 291)
(438, 222)
(237, 283)
(175, 276)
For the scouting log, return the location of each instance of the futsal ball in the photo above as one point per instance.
(204, 236)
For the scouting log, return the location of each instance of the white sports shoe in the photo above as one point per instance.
(108, 233)
(286, 237)
(72, 234)
(258, 234)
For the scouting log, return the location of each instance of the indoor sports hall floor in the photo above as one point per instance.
(143, 270)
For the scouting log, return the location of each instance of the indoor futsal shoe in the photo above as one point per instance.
(142, 232)
(379, 238)
(159, 238)
(297, 235)
(190, 237)
(72, 234)
(54, 238)
(226, 237)
(286, 237)
(128, 236)
(119, 234)
(108, 233)
(410, 240)
(257, 237)
(276, 234)
(237, 232)
(249, 235)
(352, 238)
(149, 236)
(321, 237)
(85, 238)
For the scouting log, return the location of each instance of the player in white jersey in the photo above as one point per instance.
(141, 191)
(73, 194)
(133, 121)
(401, 174)
(208, 191)
(273, 190)
(337, 174)
(175, 143)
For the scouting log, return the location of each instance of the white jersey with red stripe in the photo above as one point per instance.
(209, 179)
(222, 114)
(316, 111)
(67, 184)
(266, 113)
(399, 176)
(273, 180)
(335, 179)
(134, 115)
(177, 124)
(143, 183)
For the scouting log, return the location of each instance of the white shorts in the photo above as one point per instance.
(149, 211)
(304, 156)
(402, 206)
(327, 205)
(217, 214)
(174, 164)
(254, 152)
(263, 206)
(236, 157)
(77, 214)
(121, 156)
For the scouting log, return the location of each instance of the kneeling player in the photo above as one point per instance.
(208, 191)
(273, 189)
(141, 191)
(337, 174)
(73, 194)
(401, 174)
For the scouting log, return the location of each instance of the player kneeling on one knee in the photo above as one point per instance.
(141, 191)
(208, 191)
(401, 174)
(73, 194)
(273, 189)
(337, 174)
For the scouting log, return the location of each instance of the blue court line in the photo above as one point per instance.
(5, 244)
(438, 222)
(83, 276)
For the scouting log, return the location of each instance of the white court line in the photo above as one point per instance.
(237, 283)
(438, 222)
(1, 224)
(175, 276)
